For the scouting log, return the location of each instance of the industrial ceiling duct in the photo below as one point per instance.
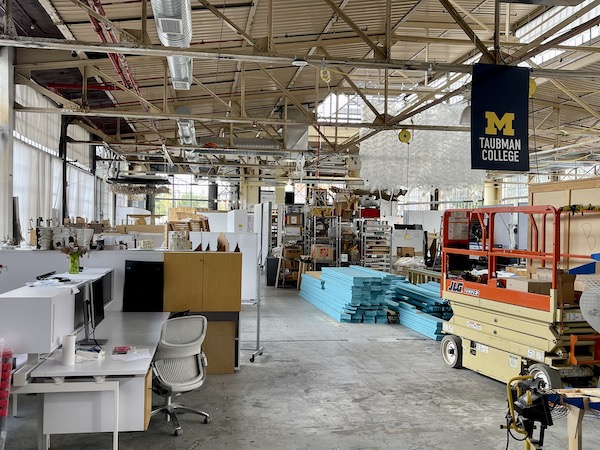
(187, 131)
(296, 136)
(187, 136)
(174, 25)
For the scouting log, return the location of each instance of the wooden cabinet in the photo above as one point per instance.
(147, 398)
(202, 281)
(210, 284)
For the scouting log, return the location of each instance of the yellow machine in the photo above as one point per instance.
(528, 404)
(508, 327)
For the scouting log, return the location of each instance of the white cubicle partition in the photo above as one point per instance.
(24, 265)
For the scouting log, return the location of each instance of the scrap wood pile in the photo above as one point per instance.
(348, 294)
(419, 307)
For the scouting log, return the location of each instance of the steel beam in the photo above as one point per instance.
(377, 50)
(267, 58)
(468, 30)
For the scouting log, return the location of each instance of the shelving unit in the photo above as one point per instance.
(376, 241)
(275, 234)
(292, 224)
(323, 231)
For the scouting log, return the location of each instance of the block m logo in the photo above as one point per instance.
(493, 124)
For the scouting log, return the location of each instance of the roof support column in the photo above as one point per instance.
(249, 191)
(7, 124)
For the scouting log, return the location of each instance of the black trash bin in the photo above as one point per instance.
(272, 270)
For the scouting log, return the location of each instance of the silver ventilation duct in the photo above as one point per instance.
(174, 25)
(187, 131)
(187, 136)
(296, 136)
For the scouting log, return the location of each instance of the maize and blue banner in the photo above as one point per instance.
(499, 118)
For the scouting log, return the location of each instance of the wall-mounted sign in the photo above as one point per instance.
(499, 118)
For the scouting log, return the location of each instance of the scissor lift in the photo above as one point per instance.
(504, 333)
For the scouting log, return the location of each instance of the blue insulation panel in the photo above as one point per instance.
(359, 295)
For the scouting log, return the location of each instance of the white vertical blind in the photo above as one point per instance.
(43, 129)
(80, 194)
(36, 181)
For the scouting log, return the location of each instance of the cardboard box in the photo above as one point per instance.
(293, 219)
(565, 282)
(405, 251)
(292, 252)
(320, 252)
(528, 285)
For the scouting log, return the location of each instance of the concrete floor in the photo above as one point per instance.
(324, 385)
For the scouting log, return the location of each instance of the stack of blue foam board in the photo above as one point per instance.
(348, 294)
(419, 307)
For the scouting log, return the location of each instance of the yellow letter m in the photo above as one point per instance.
(493, 124)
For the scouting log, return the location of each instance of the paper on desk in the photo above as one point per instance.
(141, 353)
(53, 283)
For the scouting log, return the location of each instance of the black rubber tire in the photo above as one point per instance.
(451, 348)
(550, 376)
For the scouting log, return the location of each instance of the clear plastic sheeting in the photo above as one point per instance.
(431, 159)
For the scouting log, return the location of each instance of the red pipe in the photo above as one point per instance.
(119, 61)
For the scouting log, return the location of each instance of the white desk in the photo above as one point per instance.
(78, 398)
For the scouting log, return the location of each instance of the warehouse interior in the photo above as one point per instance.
(377, 246)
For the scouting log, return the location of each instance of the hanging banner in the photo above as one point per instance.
(499, 118)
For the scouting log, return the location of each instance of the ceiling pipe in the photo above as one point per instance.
(119, 60)
(174, 25)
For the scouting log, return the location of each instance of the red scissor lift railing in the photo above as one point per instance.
(542, 220)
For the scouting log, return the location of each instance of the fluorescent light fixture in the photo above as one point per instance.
(299, 62)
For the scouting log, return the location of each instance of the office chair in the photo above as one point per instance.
(179, 365)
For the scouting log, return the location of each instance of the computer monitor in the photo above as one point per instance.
(107, 288)
(94, 311)
(97, 299)
(80, 302)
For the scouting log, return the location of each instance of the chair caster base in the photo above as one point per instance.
(178, 432)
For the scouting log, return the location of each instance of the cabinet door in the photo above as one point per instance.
(183, 279)
(148, 398)
(222, 288)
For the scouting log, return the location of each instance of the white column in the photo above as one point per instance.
(7, 118)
